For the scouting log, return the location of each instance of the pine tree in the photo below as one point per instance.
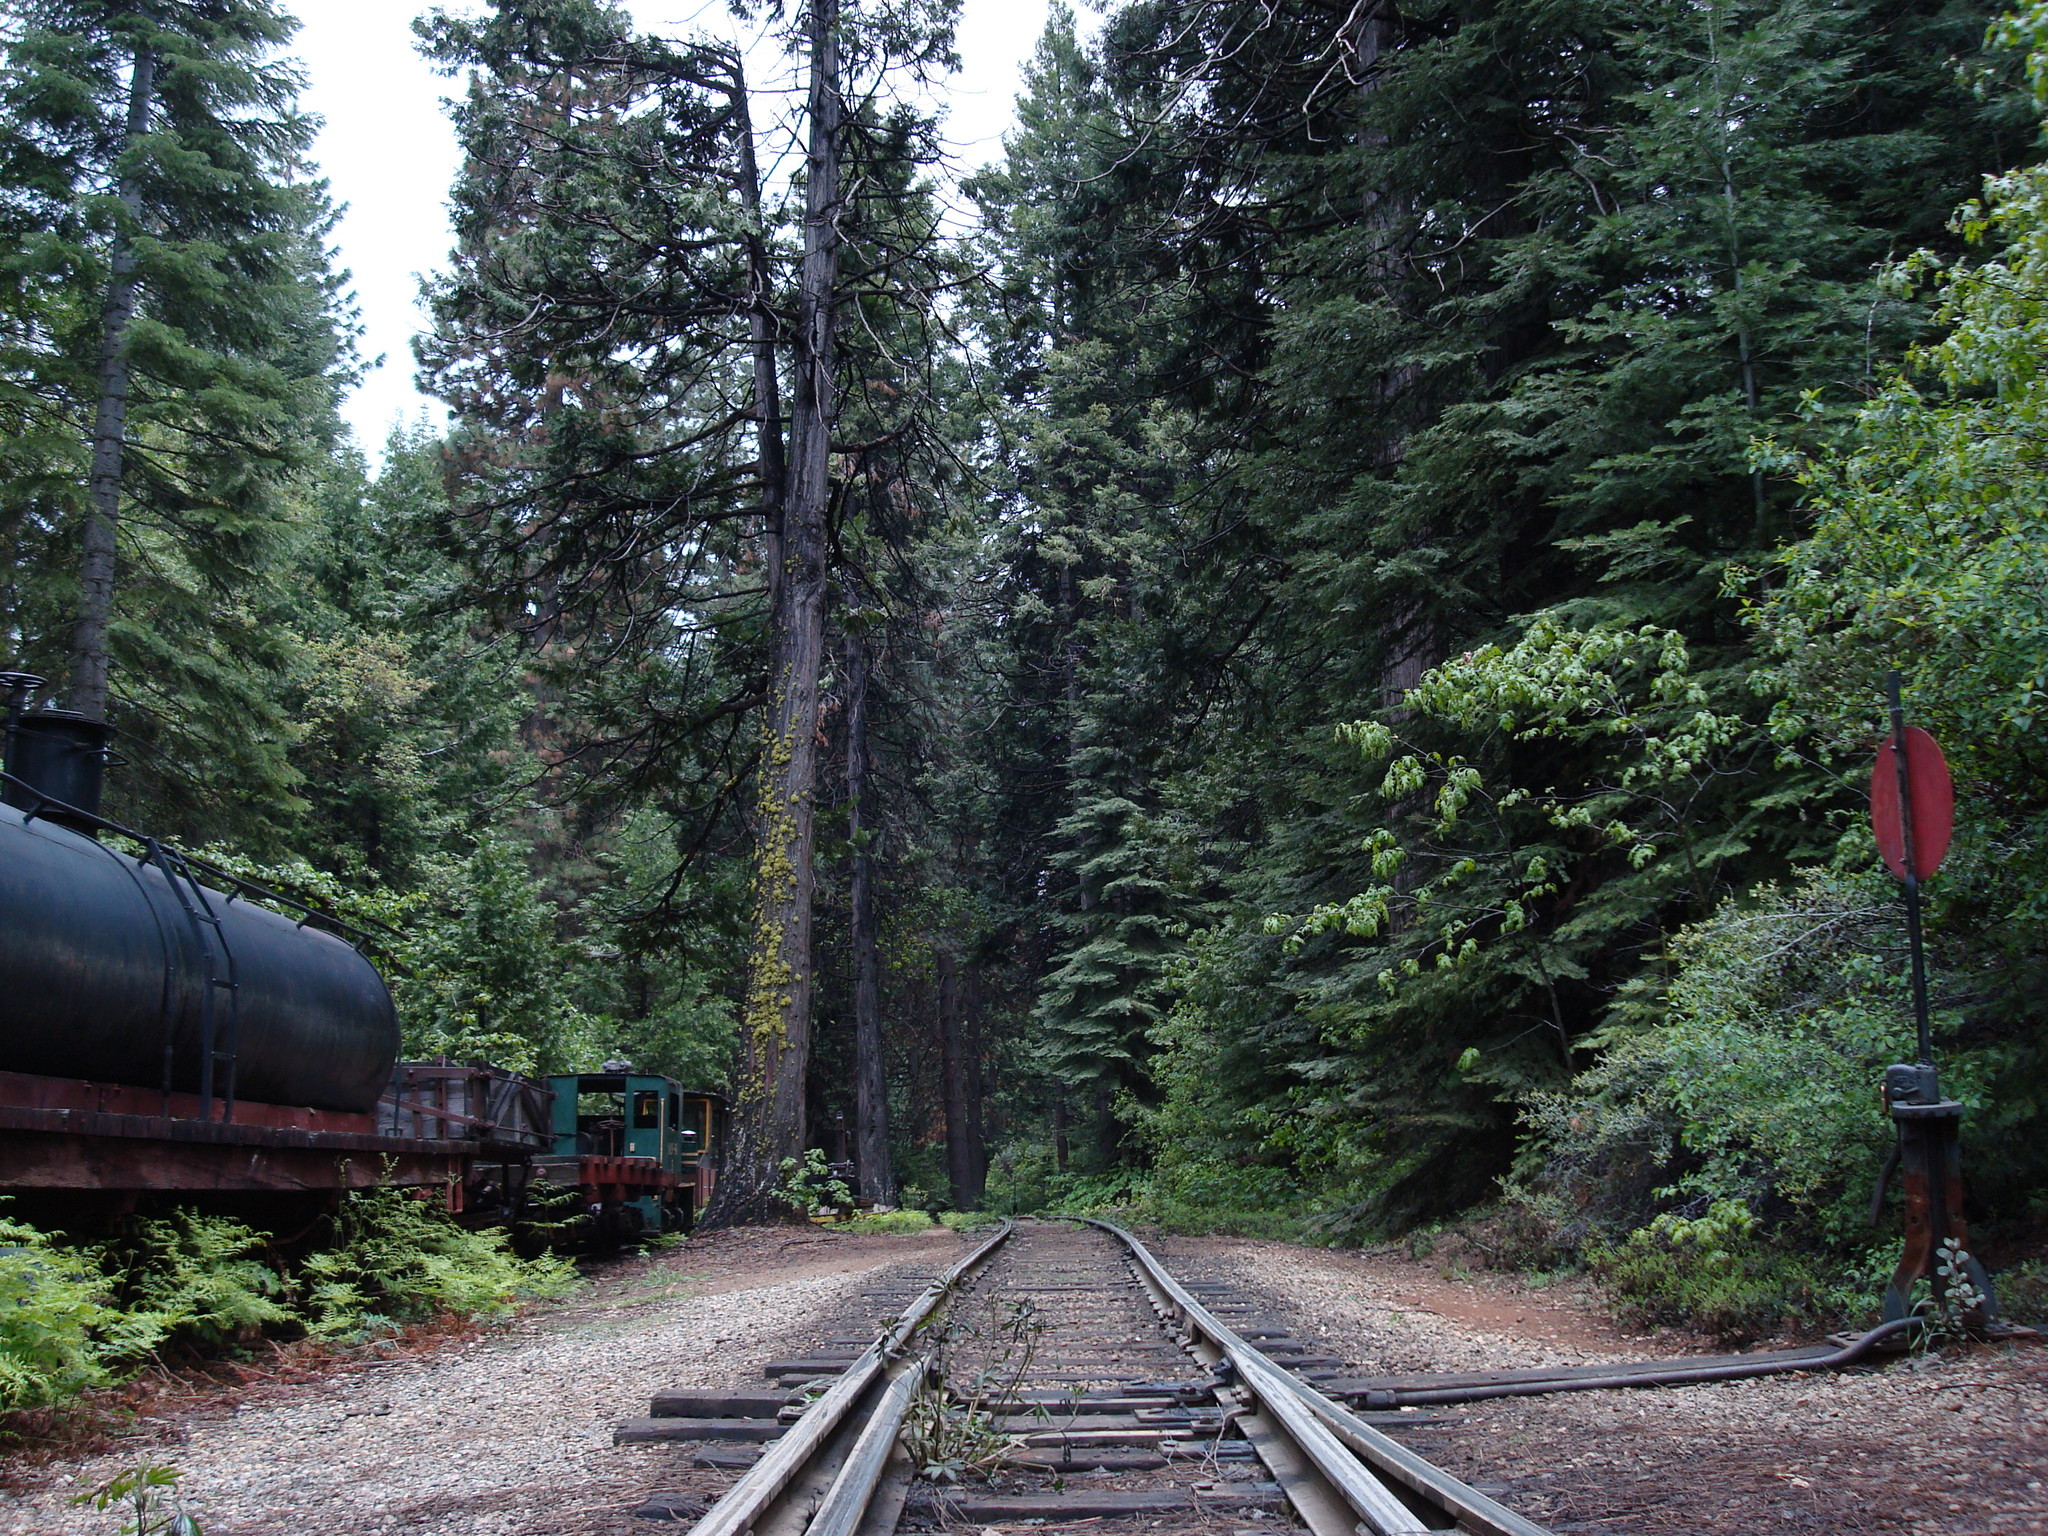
(1453, 336)
(622, 335)
(173, 344)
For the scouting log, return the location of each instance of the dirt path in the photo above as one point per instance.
(508, 1434)
(1949, 1444)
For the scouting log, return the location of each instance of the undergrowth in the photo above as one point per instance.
(74, 1317)
(1718, 1272)
(886, 1221)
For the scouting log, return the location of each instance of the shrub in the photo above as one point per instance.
(195, 1279)
(53, 1320)
(1749, 1073)
(1201, 1195)
(1715, 1271)
(887, 1221)
(399, 1259)
(72, 1319)
(807, 1185)
(1093, 1194)
(1020, 1178)
(1525, 1231)
(148, 1496)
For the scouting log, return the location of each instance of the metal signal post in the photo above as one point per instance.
(1912, 811)
(1901, 757)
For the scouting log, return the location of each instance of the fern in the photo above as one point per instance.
(400, 1260)
(53, 1315)
(195, 1279)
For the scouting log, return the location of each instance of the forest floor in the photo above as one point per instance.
(500, 1433)
(1946, 1444)
(508, 1432)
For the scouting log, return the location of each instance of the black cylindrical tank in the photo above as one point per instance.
(100, 964)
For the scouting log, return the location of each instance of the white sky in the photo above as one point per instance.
(389, 152)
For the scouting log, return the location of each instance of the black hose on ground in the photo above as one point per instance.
(1848, 1354)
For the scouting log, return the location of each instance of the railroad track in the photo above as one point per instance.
(1059, 1375)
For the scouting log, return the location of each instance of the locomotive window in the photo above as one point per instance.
(646, 1109)
(675, 1111)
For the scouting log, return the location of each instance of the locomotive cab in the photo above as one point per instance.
(642, 1148)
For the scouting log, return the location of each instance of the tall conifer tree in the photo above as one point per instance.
(173, 345)
(649, 379)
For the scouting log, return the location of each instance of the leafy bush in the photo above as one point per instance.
(193, 1278)
(888, 1221)
(1019, 1178)
(1715, 1271)
(1748, 1072)
(807, 1185)
(1231, 1221)
(76, 1318)
(1090, 1194)
(1526, 1231)
(2023, 1291)
(54, 1320)
(147, 1494)
(399, 1259)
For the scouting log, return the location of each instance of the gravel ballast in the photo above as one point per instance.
(509, 1434)
(1952, 1443)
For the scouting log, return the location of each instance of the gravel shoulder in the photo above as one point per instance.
(509, 1433)
(1386, 1314)
(1946, 1444)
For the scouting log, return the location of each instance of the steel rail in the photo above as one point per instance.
(1360, 1463)
(846, 1501)
(749, 1498)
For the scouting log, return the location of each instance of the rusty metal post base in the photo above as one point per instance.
(1929, 1159)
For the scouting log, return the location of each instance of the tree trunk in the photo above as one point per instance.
(977, 1095)
(775, 1043)
(109, 432)
(1108, 1134)
(772, 468)
(954, 1069)
(871, 1087)
(1060, 1151)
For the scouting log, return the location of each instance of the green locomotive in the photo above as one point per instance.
(642, 1149)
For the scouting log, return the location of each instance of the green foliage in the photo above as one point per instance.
(1929, 551)
(951, 1428)
(1739, 1071)
(235, 357)
(807, 1185)
(1082, 1194)
(398, 1259)
(1717, 1271)
(1018, 1178)
(73, 1318)
(148, 1495)
(1452, 483)
(1208, 1195)
(888, 1221)
(195, 1279)
(1744, 1072)
(54, 1316)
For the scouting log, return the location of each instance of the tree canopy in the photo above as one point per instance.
(1304, 658)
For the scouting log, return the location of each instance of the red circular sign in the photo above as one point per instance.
(1934, 803)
